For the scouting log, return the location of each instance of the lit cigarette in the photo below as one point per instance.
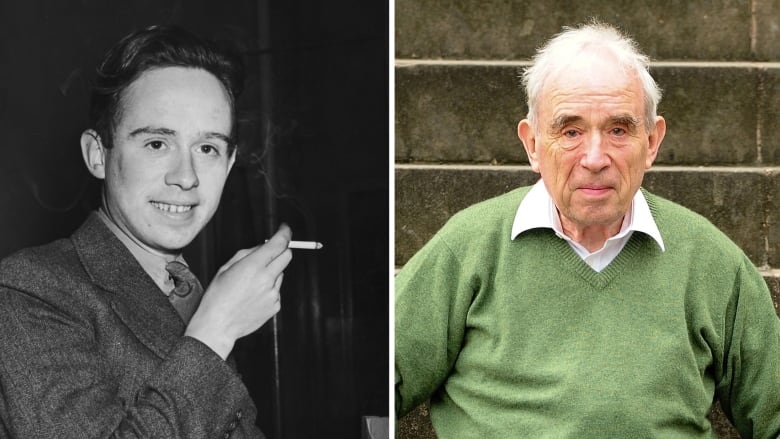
(304, 245)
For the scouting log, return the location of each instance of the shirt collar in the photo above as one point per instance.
(152, 263)
(537, 210)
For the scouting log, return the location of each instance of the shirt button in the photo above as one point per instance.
(232, 426)
(239, 414)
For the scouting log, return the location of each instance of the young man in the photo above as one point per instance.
(584, 305)
(105, 334)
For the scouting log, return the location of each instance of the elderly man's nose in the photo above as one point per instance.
(594, 156)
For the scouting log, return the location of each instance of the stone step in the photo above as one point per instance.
(772, 278)
(717, 113)
(742, 202)
(511, 29)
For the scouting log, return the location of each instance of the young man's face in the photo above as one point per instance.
(165, 173)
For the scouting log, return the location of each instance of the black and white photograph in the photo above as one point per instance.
(195, 219)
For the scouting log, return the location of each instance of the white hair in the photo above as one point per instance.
(553, 57)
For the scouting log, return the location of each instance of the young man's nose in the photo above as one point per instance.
(182, 172)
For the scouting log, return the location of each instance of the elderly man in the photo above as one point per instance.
(108, 333)
(585, 305)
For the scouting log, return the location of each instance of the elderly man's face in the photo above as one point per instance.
(165, 173)
(591, 143)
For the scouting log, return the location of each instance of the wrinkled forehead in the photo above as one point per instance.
(592, 79)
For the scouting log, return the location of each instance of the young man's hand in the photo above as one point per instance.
(243, 295)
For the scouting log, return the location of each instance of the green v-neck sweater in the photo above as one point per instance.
(521, 338)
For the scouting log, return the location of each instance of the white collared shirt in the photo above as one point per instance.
(537, 210)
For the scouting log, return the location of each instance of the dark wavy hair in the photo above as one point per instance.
(156, 47)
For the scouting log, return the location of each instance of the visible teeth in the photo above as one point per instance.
(173, 208)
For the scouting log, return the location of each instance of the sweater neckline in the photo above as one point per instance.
(599, 279)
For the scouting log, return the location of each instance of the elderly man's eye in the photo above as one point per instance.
(617, 131)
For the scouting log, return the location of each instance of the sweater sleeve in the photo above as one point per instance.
(433, 293)
(749, 389)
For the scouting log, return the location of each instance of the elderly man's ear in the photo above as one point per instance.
(526, 133)
(94, 153)
(654, 140)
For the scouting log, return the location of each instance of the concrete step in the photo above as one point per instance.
(717, 113)
(742, 202)
(510, 29)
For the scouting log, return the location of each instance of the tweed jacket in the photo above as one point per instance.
(91, 348)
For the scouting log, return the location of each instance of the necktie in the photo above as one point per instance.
(187, 291)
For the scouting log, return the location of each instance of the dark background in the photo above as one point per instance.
(313, 153)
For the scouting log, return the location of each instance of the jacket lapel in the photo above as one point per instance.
(133, 295)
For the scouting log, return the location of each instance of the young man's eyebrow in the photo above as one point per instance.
(152, 130)
(220, 136)
(160, 131)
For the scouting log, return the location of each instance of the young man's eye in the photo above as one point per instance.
(155, 145)
(209, 149)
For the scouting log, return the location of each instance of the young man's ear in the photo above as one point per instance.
(94, 153)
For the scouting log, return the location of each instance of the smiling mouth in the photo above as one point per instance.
(172, 208)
